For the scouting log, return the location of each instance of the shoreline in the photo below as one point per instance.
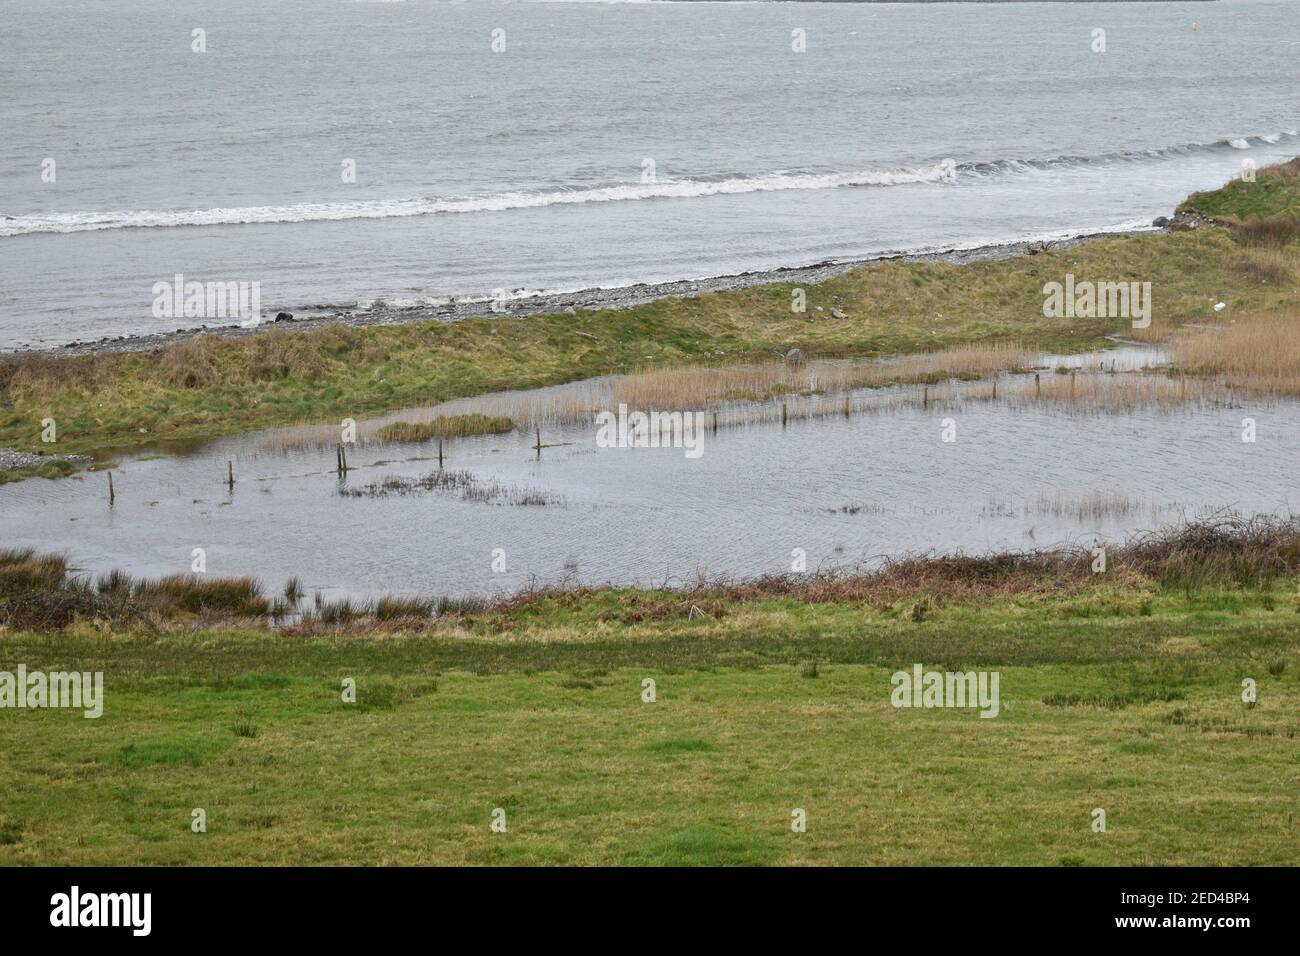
(595, 298)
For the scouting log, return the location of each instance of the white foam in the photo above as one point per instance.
(501, 202)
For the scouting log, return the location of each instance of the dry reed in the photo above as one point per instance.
(1261, 355)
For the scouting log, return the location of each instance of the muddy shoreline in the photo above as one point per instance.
(622, 297)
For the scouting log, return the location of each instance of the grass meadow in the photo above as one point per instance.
(1120, 698)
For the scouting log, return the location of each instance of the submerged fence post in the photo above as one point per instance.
(230, 475)
(1038, 386)
(715, 423)
(846, 406)
(110, 488)
(439, 452)
(538, 446)
(784, 414)
(925, 397)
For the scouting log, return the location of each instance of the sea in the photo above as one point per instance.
(348, 155)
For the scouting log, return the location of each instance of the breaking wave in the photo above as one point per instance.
(944, 171)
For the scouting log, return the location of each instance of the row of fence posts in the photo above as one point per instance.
(341, 451)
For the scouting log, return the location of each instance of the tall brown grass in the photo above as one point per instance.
(446, 426)
(1274, 231)
(1260, 354)
(38, 592)
(699, 388)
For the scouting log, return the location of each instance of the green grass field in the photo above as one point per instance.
(1123, 699)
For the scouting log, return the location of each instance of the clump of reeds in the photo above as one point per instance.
(695, 388)
(38, 593)
(446, 426)
(461, 607)
(1091, 506)
(199, 594)
(1261, 354)
(340, 611)
(389, 608)
(117, 582)
(1092, 392)
(23, 568)
(1225, 549)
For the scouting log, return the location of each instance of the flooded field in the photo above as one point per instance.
(1027, 469)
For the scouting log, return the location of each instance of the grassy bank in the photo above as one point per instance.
(1119, 690)
(1109, 699)
(211, 386)
(40, 592)
(1275, 192)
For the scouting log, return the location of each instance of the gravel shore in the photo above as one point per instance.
(11, 459)
(587, 299)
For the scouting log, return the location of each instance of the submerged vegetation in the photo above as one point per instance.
(466, 483)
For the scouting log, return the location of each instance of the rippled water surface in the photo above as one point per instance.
(845, 491)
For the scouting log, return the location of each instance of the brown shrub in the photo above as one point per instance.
(191, 363)
(1267, 230)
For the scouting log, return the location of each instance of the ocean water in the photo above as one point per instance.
(605, 144)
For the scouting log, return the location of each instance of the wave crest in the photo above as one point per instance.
(943, 171)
